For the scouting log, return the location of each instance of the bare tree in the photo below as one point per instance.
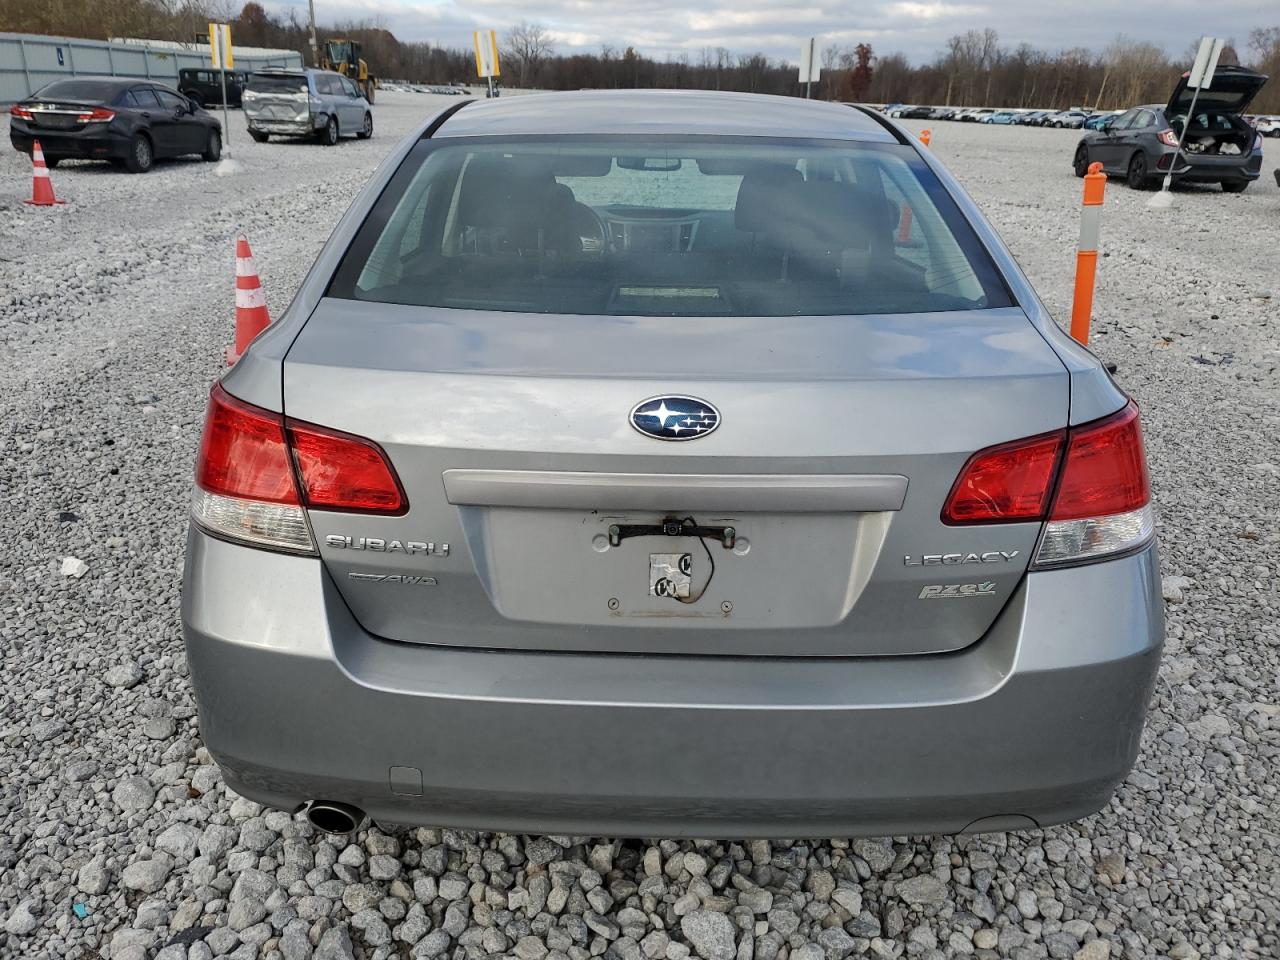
(526, 46)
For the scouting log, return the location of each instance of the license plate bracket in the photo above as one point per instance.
(671, 527)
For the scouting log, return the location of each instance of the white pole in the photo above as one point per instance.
(222, 72)
(808, 82)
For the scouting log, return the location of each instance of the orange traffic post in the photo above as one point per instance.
(926, 136)
(1095, 185)
(251, 302)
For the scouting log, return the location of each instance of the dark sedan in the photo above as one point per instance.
(132, 123)
(1219, 146)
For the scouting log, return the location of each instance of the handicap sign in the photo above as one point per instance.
(60, 63)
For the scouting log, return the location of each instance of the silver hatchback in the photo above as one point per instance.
(655, 463)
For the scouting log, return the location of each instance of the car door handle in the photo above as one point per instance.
(580, 490)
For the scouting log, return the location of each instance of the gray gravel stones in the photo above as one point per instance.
(124, 676)
(147, 876)
(133, 795)
(924, 888)
(107, 310)
(21, 921)
(711, 935)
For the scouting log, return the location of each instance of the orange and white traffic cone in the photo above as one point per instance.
(251, 302)
(926, 136)
(41, 185)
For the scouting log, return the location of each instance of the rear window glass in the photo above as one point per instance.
(276, 83)
(91, 90)
(669, 227)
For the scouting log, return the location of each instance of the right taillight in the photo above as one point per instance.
(257, 473)
(1102, 503)
(1088, 485)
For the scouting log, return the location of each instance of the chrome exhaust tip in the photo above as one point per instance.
(333, 816)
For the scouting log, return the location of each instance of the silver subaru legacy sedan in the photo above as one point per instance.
(670, 463)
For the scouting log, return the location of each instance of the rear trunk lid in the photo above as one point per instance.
(1231, 91)
(838, 440)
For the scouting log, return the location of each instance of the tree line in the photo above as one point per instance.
(973, 68)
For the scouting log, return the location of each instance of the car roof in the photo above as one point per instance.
(663, 112)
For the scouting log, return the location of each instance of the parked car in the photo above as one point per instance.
(1002, 117)
(1031, 118)
(306, 103)
(1073, 119)
(942, 113)
(888, 108)
(915, 113)
(424, 546)
(131, 123)
(974, 115)
(1219, 146)
(1268, 126)
(204, 87)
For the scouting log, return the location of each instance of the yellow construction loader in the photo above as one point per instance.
(343, 56)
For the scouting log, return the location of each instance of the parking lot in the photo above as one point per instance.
(117, 837)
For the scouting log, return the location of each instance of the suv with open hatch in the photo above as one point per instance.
(670, 463)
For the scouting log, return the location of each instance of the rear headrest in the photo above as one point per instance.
(761, 204)
(829, 216)
(503, 191)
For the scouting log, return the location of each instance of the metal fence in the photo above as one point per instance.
(28, 61)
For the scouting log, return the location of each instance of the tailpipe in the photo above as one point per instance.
(333, 816)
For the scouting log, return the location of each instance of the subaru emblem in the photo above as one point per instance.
(674, 418)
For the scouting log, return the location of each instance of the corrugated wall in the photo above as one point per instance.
(28, 61)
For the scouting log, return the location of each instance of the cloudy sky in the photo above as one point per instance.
(916, 27)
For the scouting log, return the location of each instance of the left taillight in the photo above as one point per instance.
(97, 115)
(257, 473)
(1168, 138)
(245, 489)
(19, 111)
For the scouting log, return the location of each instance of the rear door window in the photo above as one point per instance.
(666, 226)
(277, 83)
(171, 101)
(144, 98)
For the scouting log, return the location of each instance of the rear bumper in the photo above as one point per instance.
(88, 145)
(1192, 168)
(1035, 724)
(291, 128)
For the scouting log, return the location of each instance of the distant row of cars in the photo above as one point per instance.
(1075, 118)
(446, 90)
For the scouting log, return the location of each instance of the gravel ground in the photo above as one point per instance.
(119, 841)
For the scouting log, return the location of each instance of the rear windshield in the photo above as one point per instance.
(94, 91)
(277, 83)
(668, 227)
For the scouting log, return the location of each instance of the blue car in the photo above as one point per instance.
(1097, 120)
(1003, 117)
